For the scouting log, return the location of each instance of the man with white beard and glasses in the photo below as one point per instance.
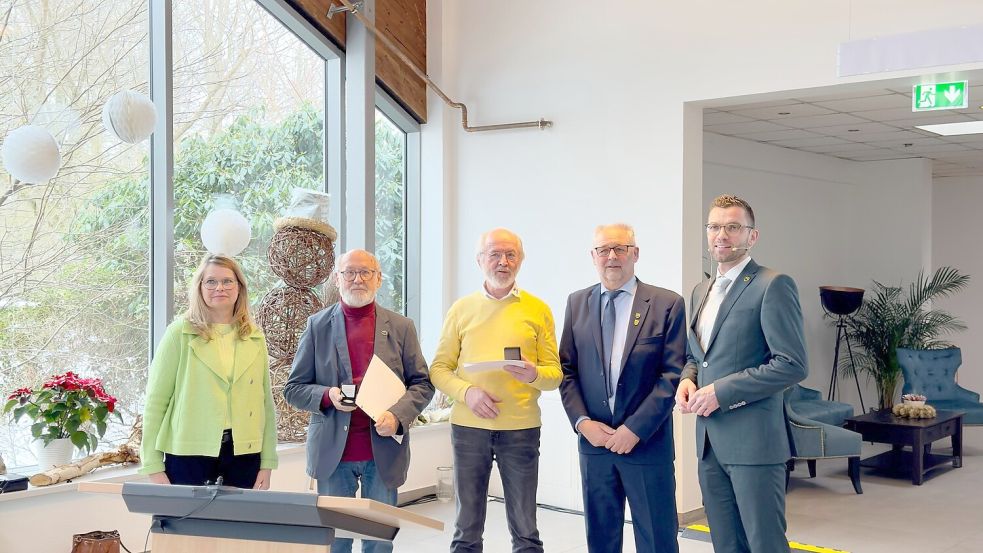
(496, 415)
(345, 447)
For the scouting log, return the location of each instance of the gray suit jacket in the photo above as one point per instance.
(654, 354)
(756, 350)
(322, 362)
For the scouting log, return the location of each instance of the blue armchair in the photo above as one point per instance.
(932, 373)
(809, 404)
(812, 440)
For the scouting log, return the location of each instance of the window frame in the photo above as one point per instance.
(335, 155)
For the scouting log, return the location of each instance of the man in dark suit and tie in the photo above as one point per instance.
(745, 348)
(622, 349)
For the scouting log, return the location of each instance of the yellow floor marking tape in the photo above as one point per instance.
(796, 546)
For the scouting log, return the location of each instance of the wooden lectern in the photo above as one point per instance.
(218, 519)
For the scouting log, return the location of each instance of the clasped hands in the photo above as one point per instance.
(620, 441)
(702, 401)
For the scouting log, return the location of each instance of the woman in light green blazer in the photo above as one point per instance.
(209, 407)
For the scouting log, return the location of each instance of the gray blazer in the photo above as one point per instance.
(322, 362)
(756, 350)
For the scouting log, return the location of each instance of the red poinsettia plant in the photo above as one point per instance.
(65, 406)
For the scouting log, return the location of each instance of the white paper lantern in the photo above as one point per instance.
(225, 232)
(31, 154)
(129, 116)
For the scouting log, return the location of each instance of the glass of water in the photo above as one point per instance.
(445, 484)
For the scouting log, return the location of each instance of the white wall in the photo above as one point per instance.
(956, 242)
(616, 78)
(826, 221)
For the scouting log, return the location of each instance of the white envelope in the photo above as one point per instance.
(490, 365)
(380, 390)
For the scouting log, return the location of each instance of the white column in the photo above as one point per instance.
(360, 132)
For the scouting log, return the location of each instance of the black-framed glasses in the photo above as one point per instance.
(619, 250)
(729, 228)
(349, 276)
(212, 284)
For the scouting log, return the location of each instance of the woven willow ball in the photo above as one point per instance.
(291, 422)
(301, 257)
(283, 316)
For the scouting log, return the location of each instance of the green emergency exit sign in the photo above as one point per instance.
(932, 96)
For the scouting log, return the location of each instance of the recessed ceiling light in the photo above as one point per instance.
(954, 129)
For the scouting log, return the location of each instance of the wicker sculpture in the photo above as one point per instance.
(301, 252)
(283, 315)
(303, 258)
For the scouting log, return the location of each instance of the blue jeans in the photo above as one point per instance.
(517, 455)
(343, 482)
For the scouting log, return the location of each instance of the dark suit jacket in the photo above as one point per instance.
(756, 350)
(653, 358)
(322, 362)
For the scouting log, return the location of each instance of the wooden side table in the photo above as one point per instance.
(884, 427)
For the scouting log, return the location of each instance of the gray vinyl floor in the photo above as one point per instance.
(944, 515)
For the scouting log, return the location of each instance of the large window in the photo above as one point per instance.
(248, 120)
(73, 250)
(254, 115)
(390, 208)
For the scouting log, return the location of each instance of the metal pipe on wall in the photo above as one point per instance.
(347, 5)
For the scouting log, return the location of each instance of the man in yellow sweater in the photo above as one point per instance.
(496, 412)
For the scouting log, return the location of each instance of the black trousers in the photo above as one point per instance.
(239, 471)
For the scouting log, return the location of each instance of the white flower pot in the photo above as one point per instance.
(58, 452)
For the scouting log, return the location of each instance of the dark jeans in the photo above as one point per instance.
(344, 482)
(197, 470)
(517, 455)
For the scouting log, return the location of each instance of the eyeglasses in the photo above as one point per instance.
(729, 228)
(620, 250)
(212, 284)
(366, 274)
(496, 255)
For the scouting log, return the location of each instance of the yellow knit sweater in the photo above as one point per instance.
(478, 328)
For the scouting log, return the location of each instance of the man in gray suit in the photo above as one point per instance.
(344, 446)
(745, 347)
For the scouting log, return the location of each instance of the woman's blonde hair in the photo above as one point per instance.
(197, 309)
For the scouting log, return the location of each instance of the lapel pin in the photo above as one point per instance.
(385, 333)
(747, 278)
(637, 315)
(636, 322)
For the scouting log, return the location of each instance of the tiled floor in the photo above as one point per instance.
(944, 515)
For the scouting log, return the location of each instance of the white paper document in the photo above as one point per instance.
(380, 390)
(490, 365)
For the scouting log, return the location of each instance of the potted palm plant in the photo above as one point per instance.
(890, 319)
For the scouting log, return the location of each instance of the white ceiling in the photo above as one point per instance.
(872, 125)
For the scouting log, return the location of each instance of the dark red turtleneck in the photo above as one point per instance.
(360, 331)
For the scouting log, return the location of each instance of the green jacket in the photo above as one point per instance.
(187, 396)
